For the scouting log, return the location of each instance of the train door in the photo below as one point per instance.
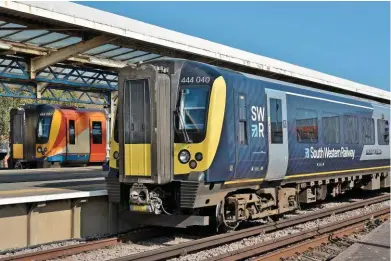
(243, 149)
(278, 135)
(136, 115)
(97, 139)
(71, 148)
(17, 133)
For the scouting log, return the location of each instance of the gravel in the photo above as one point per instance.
(158, 242)
(40, 248)
(203, 255)
(127, 249)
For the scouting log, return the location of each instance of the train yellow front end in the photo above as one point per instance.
(167, 131)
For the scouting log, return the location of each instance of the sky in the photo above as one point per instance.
(350, 40)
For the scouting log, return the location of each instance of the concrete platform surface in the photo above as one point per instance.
(39, 212)
(30, 175)
(39, 191)
(374, 247)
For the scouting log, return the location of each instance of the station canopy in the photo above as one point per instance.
(46, 46)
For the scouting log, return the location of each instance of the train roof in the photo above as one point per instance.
(348, 95)
(62, 107)
(121, 32)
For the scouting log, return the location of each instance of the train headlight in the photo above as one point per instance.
(193, 164)
(184, 156)
(115, 155)
(199, 156)
(39, 149)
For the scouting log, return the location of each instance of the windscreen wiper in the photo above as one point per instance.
(184, 131)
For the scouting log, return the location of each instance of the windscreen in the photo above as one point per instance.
(193, 105)
(43, 128)
(191, 114)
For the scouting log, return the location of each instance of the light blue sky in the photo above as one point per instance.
(346, 39)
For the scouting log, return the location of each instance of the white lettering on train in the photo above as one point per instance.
(326, 152)
(258, 115)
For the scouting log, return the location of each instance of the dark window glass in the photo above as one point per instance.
(116, 127)
(242, 108)
(17, 128)
(331, 129)
(383, 132)
(43, 129)
(276, 120)
(351, 129)
(72, 132)
(192, 109)
(306, 126)
(242, 133)
(368, 131)
(242, 139)
(97, 132)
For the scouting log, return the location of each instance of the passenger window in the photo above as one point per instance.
(351, 129)
(242, 137)
(72, 133)
(306, 126)
(276, 121)
(331, 129)
(383, 132)
(368, 131)
(97, 132)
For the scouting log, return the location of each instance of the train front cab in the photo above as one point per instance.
(24, 133)
(51, 136)
(156, 158)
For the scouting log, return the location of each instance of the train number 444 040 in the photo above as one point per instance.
(198, 79)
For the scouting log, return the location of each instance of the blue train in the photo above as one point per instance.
(195, 144)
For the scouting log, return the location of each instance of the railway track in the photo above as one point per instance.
(322, 246)
(318, 236)
(139, 235)
(204, 243)
(217, 240)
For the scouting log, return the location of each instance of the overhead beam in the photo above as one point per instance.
(24, 48)
(38, 63)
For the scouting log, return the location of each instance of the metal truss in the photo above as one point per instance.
(12, 67)
(67, 95)
(59, 82)
(52, 93)
(17, 90)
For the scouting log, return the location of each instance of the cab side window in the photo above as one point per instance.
(242, 137)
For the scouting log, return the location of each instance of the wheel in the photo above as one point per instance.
(226, 218)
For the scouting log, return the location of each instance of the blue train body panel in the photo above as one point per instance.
(235, 161)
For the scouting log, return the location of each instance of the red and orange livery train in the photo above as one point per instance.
(50, 135)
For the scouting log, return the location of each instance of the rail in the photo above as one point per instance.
(191, 246)
(214, 241)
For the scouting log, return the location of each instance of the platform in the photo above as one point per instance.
(42, 191)
(375, 246)
(31, 175)
(30, 212)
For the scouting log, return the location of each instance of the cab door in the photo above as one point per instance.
(97, 139)
(243, 148)
(278, 135)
